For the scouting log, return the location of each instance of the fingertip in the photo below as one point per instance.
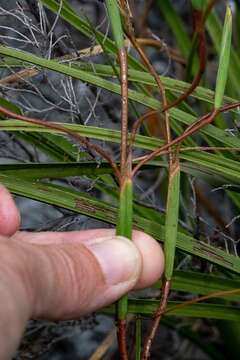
(153, 259)
(9, 214)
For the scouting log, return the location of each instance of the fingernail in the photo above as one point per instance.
(118, 257)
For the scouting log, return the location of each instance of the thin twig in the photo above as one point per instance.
(157, 317)
(202, 298)
(63, 129)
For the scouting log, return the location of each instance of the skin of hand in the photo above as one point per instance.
(59, 276)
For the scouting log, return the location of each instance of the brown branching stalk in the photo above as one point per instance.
(197, 125)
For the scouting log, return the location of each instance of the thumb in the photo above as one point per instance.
(9, 214)
(69, 280)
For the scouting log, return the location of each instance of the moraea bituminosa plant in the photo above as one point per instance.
(175, 150)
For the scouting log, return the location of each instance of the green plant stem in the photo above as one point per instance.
(124, 228)
(124, 223)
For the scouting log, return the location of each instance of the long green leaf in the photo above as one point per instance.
(88, 205)
(207, 311)
(203, 284)
(115, 18)
(214, 168)
(214, 27)
(124, 228)
(177, 114)
(224, 59)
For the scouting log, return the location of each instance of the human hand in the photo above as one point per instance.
(59, 276)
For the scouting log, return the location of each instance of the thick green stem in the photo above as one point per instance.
(124, 228)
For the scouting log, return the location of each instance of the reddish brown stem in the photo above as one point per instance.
(122, 339)
(203, 121)
(139, 122)
(158, 315)
(174, 55)
(125, 171)
(230, 106)
(63, 129)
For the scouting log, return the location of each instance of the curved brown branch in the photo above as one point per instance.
(203, 298)
(203, 121)
(197, 125)
(158, 44)
(139, 122)
(198, 18)
(81, 139)
(155, 76)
